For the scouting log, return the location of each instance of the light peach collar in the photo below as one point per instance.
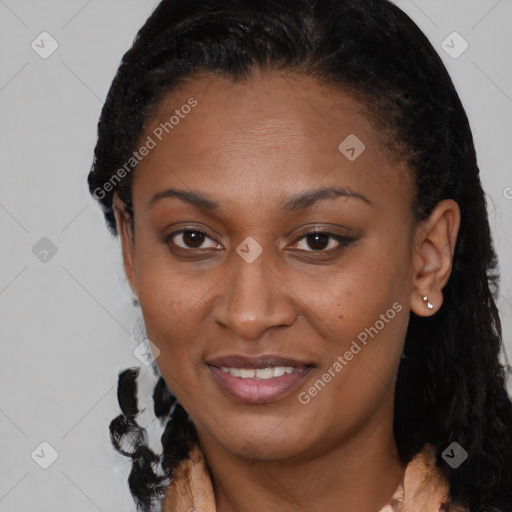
(424, 488)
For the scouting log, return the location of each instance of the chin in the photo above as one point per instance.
(250, 441)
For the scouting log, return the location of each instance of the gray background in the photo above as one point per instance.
(66, 323)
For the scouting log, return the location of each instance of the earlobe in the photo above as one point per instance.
(433, 257)
(124, 228)
(426, 305)
(427, 296)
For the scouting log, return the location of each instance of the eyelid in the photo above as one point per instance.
(324, 228)
(328, 229)
(167, 238)
(343, 240)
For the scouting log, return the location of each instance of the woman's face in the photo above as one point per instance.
(230, 278)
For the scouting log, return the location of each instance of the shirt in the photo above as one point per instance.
(424, 488)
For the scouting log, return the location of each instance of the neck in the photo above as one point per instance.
(360, 473)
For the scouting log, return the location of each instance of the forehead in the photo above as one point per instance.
(271, 132)
(270, 108)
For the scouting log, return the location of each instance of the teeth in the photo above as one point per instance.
(265, 373)
(278, 371)
(259, 373)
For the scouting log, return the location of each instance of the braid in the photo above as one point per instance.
(163, 399)
(151, 473)
(178, 439)
(125, 433)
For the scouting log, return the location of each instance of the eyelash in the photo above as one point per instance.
(342, 240)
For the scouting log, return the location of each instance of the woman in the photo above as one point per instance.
(296, 192)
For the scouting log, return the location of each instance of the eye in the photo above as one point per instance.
(191, 239)
(317, 241)
(322, 241)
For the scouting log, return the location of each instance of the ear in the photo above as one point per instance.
(125, 228)
(435, 240)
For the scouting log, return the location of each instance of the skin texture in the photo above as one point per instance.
(250, 146)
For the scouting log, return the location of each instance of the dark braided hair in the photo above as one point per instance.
(150, 472)
(451, 385)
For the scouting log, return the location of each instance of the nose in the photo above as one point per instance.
(254, 298)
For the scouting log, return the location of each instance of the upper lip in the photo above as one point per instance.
(254, 362)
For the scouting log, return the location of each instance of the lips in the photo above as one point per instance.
(258, 379)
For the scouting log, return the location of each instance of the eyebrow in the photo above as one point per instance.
(297, 202)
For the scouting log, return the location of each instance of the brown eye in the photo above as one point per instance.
(317, 241)
(320, 241)
(190, 239)
(193, 238)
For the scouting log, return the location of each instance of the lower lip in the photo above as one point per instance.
(254, 391)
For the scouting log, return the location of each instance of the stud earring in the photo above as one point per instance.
(429, 304)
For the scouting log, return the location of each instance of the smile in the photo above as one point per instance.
(259, 373)
(257, 380)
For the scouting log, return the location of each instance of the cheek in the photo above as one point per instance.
(364, 322)
(169, 303)
(167, 290)
(354, 297)
(360, 361)
(363, 333)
